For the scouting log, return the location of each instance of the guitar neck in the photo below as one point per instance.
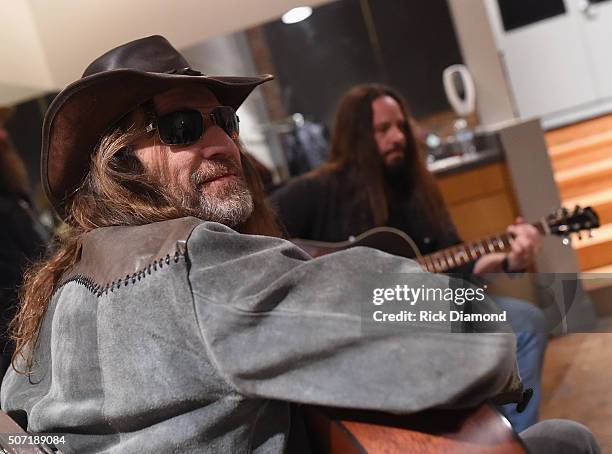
(461, 254)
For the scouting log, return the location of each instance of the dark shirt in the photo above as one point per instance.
(22, 243)
(325, 208)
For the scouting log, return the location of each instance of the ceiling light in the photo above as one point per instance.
(296, 15)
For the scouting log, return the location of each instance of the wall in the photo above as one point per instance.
(230, 55)
(70, 33)
(24, 65)
(404, 44)
(494, 103)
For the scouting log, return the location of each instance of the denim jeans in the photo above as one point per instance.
(530, 327)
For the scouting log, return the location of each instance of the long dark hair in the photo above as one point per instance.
(13, 174)
(354, 151)
(116, 192)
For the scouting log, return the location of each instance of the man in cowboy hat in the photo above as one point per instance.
(171, 319)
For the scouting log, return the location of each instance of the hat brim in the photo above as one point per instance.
(81, 113)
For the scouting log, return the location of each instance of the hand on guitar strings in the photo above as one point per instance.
(525, 245)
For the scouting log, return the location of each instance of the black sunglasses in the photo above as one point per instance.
(186, 126)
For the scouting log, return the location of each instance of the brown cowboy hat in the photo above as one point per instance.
(111, 86)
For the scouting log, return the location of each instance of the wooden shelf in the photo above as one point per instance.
(601, 201)
(584, 179)
(581, 157)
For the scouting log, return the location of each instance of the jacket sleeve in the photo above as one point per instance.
(280, 325)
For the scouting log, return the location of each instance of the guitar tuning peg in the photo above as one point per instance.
(566, 241)
(580, 235)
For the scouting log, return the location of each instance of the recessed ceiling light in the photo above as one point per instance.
(296, 14)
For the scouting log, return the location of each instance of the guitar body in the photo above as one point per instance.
(9, 428)
(476, 431)
(386, 239)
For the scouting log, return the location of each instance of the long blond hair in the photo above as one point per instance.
(116, 192)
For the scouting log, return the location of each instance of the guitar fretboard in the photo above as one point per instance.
(455, 256)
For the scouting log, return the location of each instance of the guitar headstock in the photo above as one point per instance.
(564, 222)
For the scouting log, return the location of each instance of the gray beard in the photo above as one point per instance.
(230, 205)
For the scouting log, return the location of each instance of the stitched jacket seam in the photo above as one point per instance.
(98, 289)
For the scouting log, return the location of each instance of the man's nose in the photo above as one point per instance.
(215, 143)
(397, 135)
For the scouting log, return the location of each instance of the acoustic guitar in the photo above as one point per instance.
(481, 430)
(561, 222)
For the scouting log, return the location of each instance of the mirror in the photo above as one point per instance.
(405, 44)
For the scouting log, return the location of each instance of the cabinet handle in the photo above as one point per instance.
(586, 8)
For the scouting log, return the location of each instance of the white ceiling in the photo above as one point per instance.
(44, 45)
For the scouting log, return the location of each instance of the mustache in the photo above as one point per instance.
(397, 147)
(215, 169)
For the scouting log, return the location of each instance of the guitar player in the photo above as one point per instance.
(376, 176)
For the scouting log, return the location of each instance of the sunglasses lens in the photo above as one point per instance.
(181, 127)
(186, 126)
(225, 117)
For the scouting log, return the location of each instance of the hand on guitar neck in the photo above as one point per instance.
(525, 245)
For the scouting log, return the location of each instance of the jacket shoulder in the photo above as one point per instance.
(112, 253)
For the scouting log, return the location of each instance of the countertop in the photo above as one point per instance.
(457, 164)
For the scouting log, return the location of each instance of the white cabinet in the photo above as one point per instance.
(547, 67)
(555, 55)
(596, 21)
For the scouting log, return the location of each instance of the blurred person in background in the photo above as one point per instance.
(376, 176)
(22, 236)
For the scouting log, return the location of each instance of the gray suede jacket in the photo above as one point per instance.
(185, 336)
